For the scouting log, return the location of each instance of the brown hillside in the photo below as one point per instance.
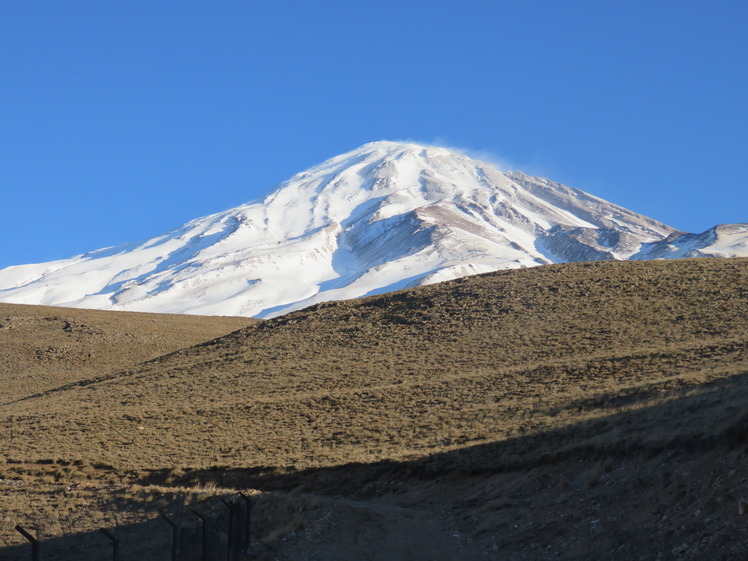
(44, 347)
(570, 380)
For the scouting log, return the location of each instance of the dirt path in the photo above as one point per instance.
(343, 529)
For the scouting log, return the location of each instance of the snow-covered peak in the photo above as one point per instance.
(723, 240)
(383, 216)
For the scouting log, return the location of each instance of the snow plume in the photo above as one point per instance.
(482, 155)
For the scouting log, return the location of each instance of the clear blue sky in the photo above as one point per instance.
(122, 119)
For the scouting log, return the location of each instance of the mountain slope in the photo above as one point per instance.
(385, 216)
(724, 240)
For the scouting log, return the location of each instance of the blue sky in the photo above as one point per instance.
(120, 120)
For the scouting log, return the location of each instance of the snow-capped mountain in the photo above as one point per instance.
(382, 217)
(723, 240)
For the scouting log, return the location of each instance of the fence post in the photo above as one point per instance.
(115, 543)
(174, 536)
(32, 539)
(232, 548)
(247, 537)
(204, 521)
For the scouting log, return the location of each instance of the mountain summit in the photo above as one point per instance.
(382, 217)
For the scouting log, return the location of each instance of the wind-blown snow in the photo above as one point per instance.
(382, 217)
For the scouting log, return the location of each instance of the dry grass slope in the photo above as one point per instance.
(44, 347)
(483, 377)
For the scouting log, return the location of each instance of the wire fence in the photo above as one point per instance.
(219, 530)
